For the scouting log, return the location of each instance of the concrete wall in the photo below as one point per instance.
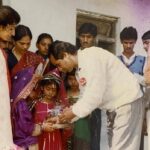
(58, 17)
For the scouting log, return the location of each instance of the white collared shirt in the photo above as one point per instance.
(104, 81)
(128, 61)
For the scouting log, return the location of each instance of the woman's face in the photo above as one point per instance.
(23, 44)
(43, 46)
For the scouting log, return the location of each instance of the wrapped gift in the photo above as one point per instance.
(55, 111)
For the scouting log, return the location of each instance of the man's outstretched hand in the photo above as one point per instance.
(65, 117)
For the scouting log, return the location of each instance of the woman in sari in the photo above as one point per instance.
(22, 64)
(20, 58)
(25, 95)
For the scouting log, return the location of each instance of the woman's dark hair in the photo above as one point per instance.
(128, 33)
(58, 48)
(8, 16)
(21, 31)
(44, 36)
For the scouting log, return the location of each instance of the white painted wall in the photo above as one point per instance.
(58, 17)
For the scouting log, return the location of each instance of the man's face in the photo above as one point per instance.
(65, 64)
(128, 45)
(6, 32)
(146, 44)
(86, 40)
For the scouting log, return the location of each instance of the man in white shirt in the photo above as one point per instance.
(106, 84)
(87, 36)
(8, 20)
(134, 62)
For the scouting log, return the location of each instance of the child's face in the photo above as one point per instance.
(50, 90)
(72, 81)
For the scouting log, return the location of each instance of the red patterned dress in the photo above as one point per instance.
(47, 140)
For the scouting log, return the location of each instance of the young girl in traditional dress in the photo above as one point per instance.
(49, 106)
(81, 134)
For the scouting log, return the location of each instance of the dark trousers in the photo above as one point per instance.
(142, 142)
(95, 127)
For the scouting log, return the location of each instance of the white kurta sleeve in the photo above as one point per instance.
(92, 80)
(140, 79)
(5, 121)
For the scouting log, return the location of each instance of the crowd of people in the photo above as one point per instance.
(52, 98)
